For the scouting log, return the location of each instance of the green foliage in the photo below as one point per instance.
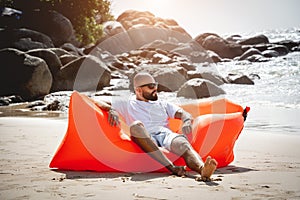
(85, 15)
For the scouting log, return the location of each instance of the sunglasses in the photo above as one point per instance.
(150, 85)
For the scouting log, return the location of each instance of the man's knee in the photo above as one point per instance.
(137, 129)
(180, 145)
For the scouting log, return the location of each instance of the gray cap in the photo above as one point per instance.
(142, 78)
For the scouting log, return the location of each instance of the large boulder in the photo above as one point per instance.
(270, 53)
(200, 38)
(194, 51)
(135, 29)
(221, 46)
(144, 35)
(145, 27)
(111, 28)
(134, 19)
(49, 57)
(250, 52)
(23, 75)
(259, 39)
(211, 76)
(199, 88)
(24, 39)
(55, 25)
(128, 16)
(86, 73)
(170, 79)
(280, 49)
(291, 45)
(239, 79)
(69, 47)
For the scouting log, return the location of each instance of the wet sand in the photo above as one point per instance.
(266, 166)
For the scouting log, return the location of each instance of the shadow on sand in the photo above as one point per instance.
(125, 176)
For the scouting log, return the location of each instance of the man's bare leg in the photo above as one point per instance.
(142, 139)
(181, 147)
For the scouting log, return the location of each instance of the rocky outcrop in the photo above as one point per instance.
(51, 23)
(131, 19)
(220, 46)
(24, 75)
(48, 59)
(24, 39)
(87, 73)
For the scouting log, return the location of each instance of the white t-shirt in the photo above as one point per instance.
(153, 114)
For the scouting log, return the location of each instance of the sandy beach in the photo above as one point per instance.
(266, 166)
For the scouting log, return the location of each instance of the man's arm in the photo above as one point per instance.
(113, 116)
(103, 105)
(187, 120)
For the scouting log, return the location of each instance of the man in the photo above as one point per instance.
(148, 120)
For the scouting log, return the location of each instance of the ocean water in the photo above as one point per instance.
(275, 97)
(277, 85)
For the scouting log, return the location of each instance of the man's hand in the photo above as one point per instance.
(113, 117)
(187, 126)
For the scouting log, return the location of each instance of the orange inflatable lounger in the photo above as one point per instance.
(90, 143)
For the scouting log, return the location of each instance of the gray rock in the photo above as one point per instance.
(259, 39)
(250, 52)
(201, 38)
(6, 100)
(270, 53)
(111, 28)
(24, 75)
(72, 49)
(199, 88)
(289, 44)
(216, 79)
(170, 78)
(239, 79)
(52, 60)
(132, 19)
(222, 47)
(25, 44)
(257, 58)
(282, 50)
(145, 35)
(24, 39)
(53, 24)
(86, 73)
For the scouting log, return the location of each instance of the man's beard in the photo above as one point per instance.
(150, 96)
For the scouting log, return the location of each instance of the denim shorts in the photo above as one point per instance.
(164, 138)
